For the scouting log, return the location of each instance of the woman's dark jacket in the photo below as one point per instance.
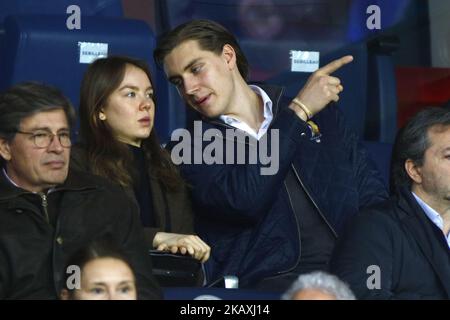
(172, 209)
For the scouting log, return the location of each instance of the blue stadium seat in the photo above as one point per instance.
(111, 8)
(381, 155)
(392, 13)
(42, 48)
(353, 76)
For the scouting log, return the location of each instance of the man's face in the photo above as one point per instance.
(203, 78)
(433, 178)
(30, 167)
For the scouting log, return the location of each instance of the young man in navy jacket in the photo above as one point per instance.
(265, 224)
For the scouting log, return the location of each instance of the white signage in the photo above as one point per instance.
(90, 51)
(304, 61)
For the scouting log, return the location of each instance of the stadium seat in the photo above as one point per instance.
(109, 8)
(380, 153)
(42, 48)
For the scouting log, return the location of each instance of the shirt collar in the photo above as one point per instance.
(432, 214)
(267, 102)
(9, 179)
(15, 184)
(268, 116)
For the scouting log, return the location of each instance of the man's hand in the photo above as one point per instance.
(182, 243)
(321, 88)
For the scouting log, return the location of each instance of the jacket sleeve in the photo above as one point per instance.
(149, 235)
(131, 234)
(239, 191)
(371, 187)
(363, 256)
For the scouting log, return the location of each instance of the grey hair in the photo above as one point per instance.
(322, 281)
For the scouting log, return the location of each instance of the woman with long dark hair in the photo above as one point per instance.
(99, 271)
(117, 109)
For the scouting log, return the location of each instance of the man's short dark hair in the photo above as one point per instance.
(412, 142)
(26, 99)
(210, 35)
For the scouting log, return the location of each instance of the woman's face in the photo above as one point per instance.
(130, 110)
(106, 279)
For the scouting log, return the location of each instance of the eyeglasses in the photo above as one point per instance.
(44, 139)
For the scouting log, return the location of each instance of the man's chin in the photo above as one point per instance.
(57, 178)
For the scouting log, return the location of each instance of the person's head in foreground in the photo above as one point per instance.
(318, 285)
(35, 122)
(99, 272)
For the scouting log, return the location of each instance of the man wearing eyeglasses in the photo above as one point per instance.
(47, 212)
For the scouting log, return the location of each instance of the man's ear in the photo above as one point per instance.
(229, 55)
(414, 171)
(5, 149)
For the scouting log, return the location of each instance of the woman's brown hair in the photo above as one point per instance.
(107, 156)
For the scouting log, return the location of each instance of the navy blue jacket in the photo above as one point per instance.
(248, 219)
(397, 237)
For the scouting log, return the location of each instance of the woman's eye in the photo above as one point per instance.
(97, 290)
(131, 94)
(125, 289)
(150, 95)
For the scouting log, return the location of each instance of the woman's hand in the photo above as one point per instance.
(182, 243)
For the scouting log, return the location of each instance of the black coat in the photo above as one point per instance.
(34, 252)
(411, 252)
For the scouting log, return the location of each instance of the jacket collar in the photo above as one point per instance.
(275, 94)
(75, 181)
(436, 251)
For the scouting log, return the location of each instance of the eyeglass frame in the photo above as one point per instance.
(48, 134)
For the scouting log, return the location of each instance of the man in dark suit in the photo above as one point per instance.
(399, 249)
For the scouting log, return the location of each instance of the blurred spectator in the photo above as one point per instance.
(104, 274)
(260, 19)
(318, 285)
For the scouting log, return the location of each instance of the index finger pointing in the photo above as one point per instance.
(335, 65)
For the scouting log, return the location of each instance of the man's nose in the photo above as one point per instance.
(55, 145)
(190, 86)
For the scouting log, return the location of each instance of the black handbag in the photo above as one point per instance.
(176, 270)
